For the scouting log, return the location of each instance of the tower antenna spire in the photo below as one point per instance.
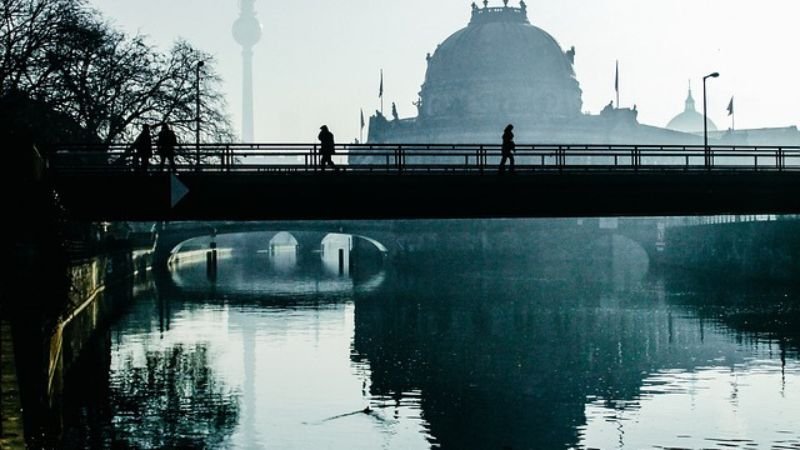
(247, 32)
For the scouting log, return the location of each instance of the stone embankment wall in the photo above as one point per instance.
(750, 250)
(100, 288)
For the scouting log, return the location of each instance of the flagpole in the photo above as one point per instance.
(616, 84)
(381, 92)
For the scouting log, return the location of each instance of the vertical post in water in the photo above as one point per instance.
(211, 262)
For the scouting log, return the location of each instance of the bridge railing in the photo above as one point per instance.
(433, 158)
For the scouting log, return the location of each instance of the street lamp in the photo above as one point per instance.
(200, 65)
(707, 151)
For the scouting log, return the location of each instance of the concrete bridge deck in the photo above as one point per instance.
(284, 182)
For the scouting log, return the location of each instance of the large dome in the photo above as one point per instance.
(500, 66)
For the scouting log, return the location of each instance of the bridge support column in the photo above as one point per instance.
(211, 262)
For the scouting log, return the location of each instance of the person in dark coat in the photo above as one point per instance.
(508, 149)
(166, 147)
(327, 147)
(143, 147)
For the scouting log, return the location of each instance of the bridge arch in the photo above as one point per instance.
(170, 240)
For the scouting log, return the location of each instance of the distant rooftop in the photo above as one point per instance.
(503, 13)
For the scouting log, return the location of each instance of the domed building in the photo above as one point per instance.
(503, 69)
(500, 65)
(690, 121)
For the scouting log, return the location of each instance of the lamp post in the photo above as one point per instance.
(200, 65)
(706, 150)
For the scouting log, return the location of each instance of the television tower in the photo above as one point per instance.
(247, 32)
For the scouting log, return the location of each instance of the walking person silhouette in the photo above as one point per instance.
(327, 149)
(508, 149)
(143, 146)
(166, 147)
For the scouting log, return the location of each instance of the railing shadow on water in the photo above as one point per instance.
(277, 158)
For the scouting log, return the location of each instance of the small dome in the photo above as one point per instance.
(500, 65)
(690, 121)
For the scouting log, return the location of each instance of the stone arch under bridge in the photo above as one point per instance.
(308, 236)
(738, 247)
(398, 238)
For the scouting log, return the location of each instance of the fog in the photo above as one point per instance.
(319, 61)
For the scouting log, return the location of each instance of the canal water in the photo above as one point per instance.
(288, 351)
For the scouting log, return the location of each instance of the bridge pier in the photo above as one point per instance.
(211, 263)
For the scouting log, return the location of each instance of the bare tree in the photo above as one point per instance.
(63, 53)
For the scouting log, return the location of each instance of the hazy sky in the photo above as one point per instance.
(319, 60)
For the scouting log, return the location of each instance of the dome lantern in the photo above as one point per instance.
(499, 13)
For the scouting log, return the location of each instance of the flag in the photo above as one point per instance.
(730, 107)
(362, 118)
(380, 92)
(616, 79)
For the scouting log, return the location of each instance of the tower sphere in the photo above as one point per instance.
(247, 31)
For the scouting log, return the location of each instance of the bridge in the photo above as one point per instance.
(420, 241)
(409, 181)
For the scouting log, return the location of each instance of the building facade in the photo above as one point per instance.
(503, 69)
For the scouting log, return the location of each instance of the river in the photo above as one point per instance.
(291, 352)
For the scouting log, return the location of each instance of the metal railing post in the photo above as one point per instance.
(227, 161)
(711, 153)
(400, 159)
